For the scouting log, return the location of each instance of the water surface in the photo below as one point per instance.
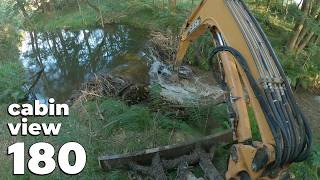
(71, 57)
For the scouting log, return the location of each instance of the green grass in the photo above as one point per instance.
(127, 128)
(123, 128)
(105, 126)
(309, 169)
(11, 71)
(143, 14)
(64, 19)
(11, 78)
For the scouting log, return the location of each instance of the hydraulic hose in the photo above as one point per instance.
(282, 114)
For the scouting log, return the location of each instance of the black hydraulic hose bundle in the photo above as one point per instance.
(283, 115)
(305, 146)
(289, 128)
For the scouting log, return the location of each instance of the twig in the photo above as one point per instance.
(37, 75)
(99, 111)
(110, 123)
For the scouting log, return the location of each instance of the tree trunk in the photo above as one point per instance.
(302, 35)
(35, 48)
(305, 42)
(314, 8)
(299, 25)
(317, 40)
(98, 10)
(286, 9)
(24, 12)
(268, 5)
(173, 6)
(308, 38)
(314, 39)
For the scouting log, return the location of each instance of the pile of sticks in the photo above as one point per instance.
(111, 86)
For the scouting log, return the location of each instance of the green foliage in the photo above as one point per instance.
(11, 78)
(110, 126)
(9, 40)
(167, 117)
(117, 115)
(72, 19)
(105, 126)
(254, 126)
(11, 73)
(198, 53)
(9, 36)
(208, 118)
(155, 96)
(303, 69)
(140, 13)
(309, 169)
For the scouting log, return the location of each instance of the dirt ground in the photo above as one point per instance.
(310, 105)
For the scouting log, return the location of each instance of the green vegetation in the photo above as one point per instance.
(12, 80)
(309, 169)
(107, 126)
(302, 68)
(141, 13)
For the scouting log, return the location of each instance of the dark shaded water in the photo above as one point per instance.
(71, 57)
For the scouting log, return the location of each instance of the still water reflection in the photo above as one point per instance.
(71, 57)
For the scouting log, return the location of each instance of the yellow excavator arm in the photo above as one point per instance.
(255, 81)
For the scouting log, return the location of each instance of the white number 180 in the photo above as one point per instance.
(43, 153)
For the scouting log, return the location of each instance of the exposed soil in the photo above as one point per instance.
(310, 105)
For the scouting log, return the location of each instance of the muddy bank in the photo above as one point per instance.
(310, 106)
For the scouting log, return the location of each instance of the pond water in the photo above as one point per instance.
(69, 58)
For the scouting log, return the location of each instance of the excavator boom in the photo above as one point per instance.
(255, 81)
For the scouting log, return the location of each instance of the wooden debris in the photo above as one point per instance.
(155, 162)
(210, 172)
(182, 171)
(112, 86)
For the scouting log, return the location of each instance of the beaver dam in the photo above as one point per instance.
(117, 55)
(126, 76)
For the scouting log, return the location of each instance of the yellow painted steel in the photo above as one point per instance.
(215, 16)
